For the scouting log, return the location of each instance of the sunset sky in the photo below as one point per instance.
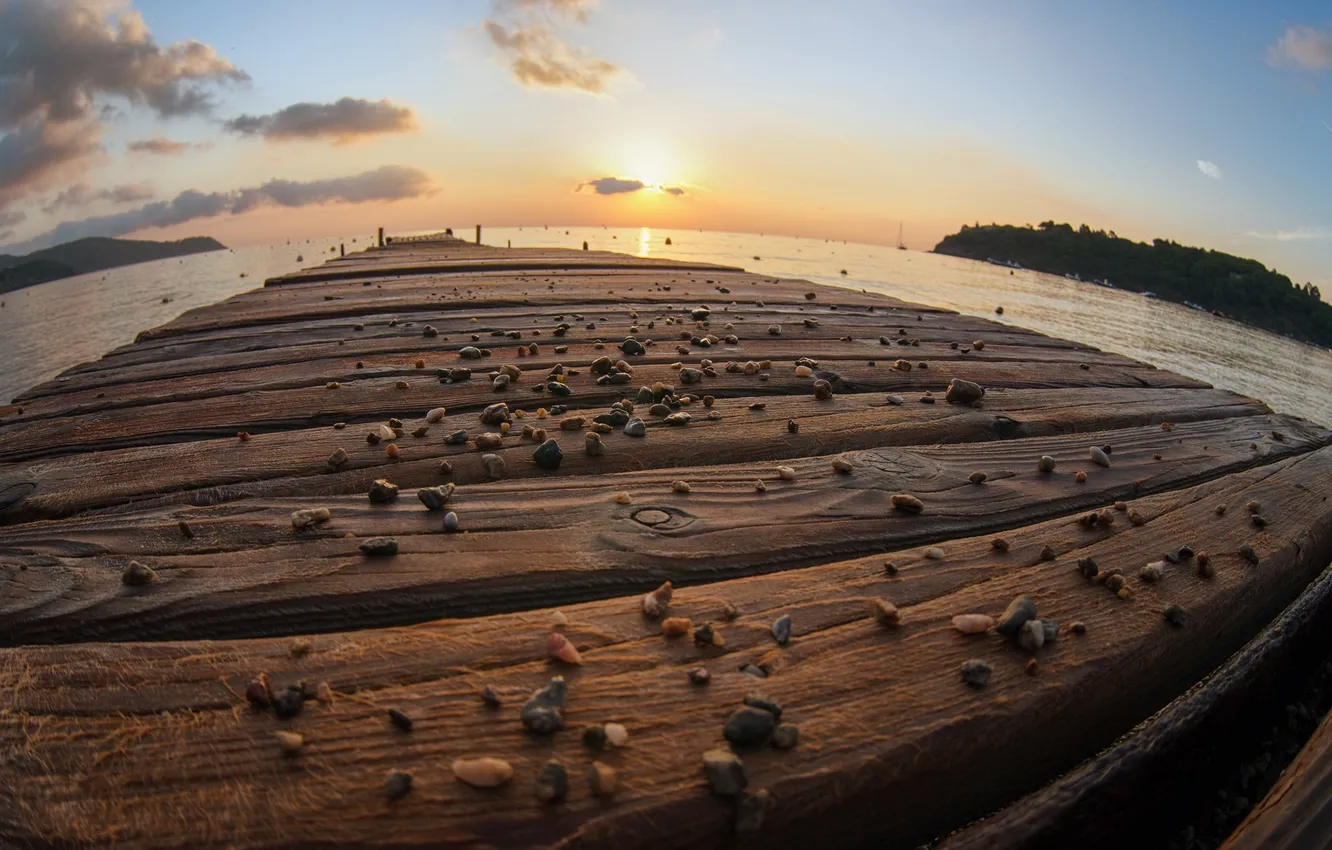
(252, 121)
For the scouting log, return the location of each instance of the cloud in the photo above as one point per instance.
(8, 219)
(1211, 169)
(162, 146)
(1302, 47)
(541, 59)
(59, 58)
(612, 185)
(81, 194)
(342, 121)
(35, 152)
(1299, 234)
(623, 186)
(388, 183)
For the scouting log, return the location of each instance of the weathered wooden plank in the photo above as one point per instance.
(402, 343)
(133, 742)
(1131, 793)
(1297, 812)
(343, 369)
(381, 397)
(564, 538)
(293, 463)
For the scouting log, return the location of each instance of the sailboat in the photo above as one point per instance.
(901, 246)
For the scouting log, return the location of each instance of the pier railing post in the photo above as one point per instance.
(478, 234)
(381, 237)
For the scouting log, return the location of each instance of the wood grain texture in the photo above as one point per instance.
(138, 741)
(131, 728)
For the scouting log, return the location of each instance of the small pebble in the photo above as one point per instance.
(781, 630)
(1048, 553)
(306, 517)
(725, 772)
(934, 553)
(1258, 520)
(786, 736)
(489, 697)
(1033, 667)
(1077, 627)
(1018, 612)
(1046, 464)
(435, 415)
(749, 727)
(300, 647)
(1249, 554)
(558, 618)
(560, 648)
(383, 491)
(494, 466)
(258, 692)
(400, 720)
(656, 602)
(786, 473)
(1175, 616)
(635, 427)
(450, 522)
(1152, 573)
(1098, 456)
(906, 503)
(999, 544)
(977, 477)
(842, 465)
(379, 547)
(963, 392)
(392, 451)
(137, 575)
(623, 499)
(1205, 567)
(973, 624)
(885, 613)
(552, 782)
(483, 772)
(680, 486)
(1088, 567)
(434, 498)
(290, 742)
(549, 455)
(1135, 517)
(616, 734)
(542, 714)
(700, 676)
(975, 673)
(397, 784)
(1031, 636)
(673, 627)
(729, 611)
(1080, 477)
(706, 635)
(603, 779)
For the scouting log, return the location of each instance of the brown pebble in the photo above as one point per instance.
(290, 742)
(393, 451)
(243, 436)
(1135, 517)
(730, 611)
(560, 648)
(977, 477)
(1175, 616)
(1048, 553)
(1166, 426)
(906, 503)
(1115, 582)
(1078, 627)
(1220, 510)
(1258, 520)
(1121, 506)
(603, 779)
(999, 544)
(1032, 667)
(672, 627)
(137, 575)
(792, 426)
(885, 613)
(1205, 567)
(1080, 477)
(699, 676)
(1249, 554)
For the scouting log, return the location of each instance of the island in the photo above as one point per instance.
(91, 255)
(1226, 285)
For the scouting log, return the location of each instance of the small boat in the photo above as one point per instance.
(1193, 306)
(1149, 294)
(300, 258)
(901, 246)
(1073, 276)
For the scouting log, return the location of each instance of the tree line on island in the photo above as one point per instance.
(1236, 287)
(91, 255)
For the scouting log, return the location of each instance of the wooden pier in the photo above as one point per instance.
(123, 707)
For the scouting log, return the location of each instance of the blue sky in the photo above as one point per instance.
(833, 119)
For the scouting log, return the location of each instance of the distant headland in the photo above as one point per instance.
(1235, 287)
(90, 255)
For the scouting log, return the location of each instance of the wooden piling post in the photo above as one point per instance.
(584, 245)
(342, 249)
(478, 234)
(381, 237)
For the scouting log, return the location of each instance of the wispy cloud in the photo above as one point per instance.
(162, 146)
(81, 194)
(537, 56)
(624, 186)
(389, 183)
(1211, 169)
(1302, 47)
(1299, 234)
(342, 121)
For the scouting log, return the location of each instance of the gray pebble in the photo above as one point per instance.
(749, 727)
(781, 630)
(976, 673)
(380, 547)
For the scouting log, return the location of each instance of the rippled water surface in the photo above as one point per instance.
(48, 328)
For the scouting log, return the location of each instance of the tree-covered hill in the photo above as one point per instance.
(1242, 289)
